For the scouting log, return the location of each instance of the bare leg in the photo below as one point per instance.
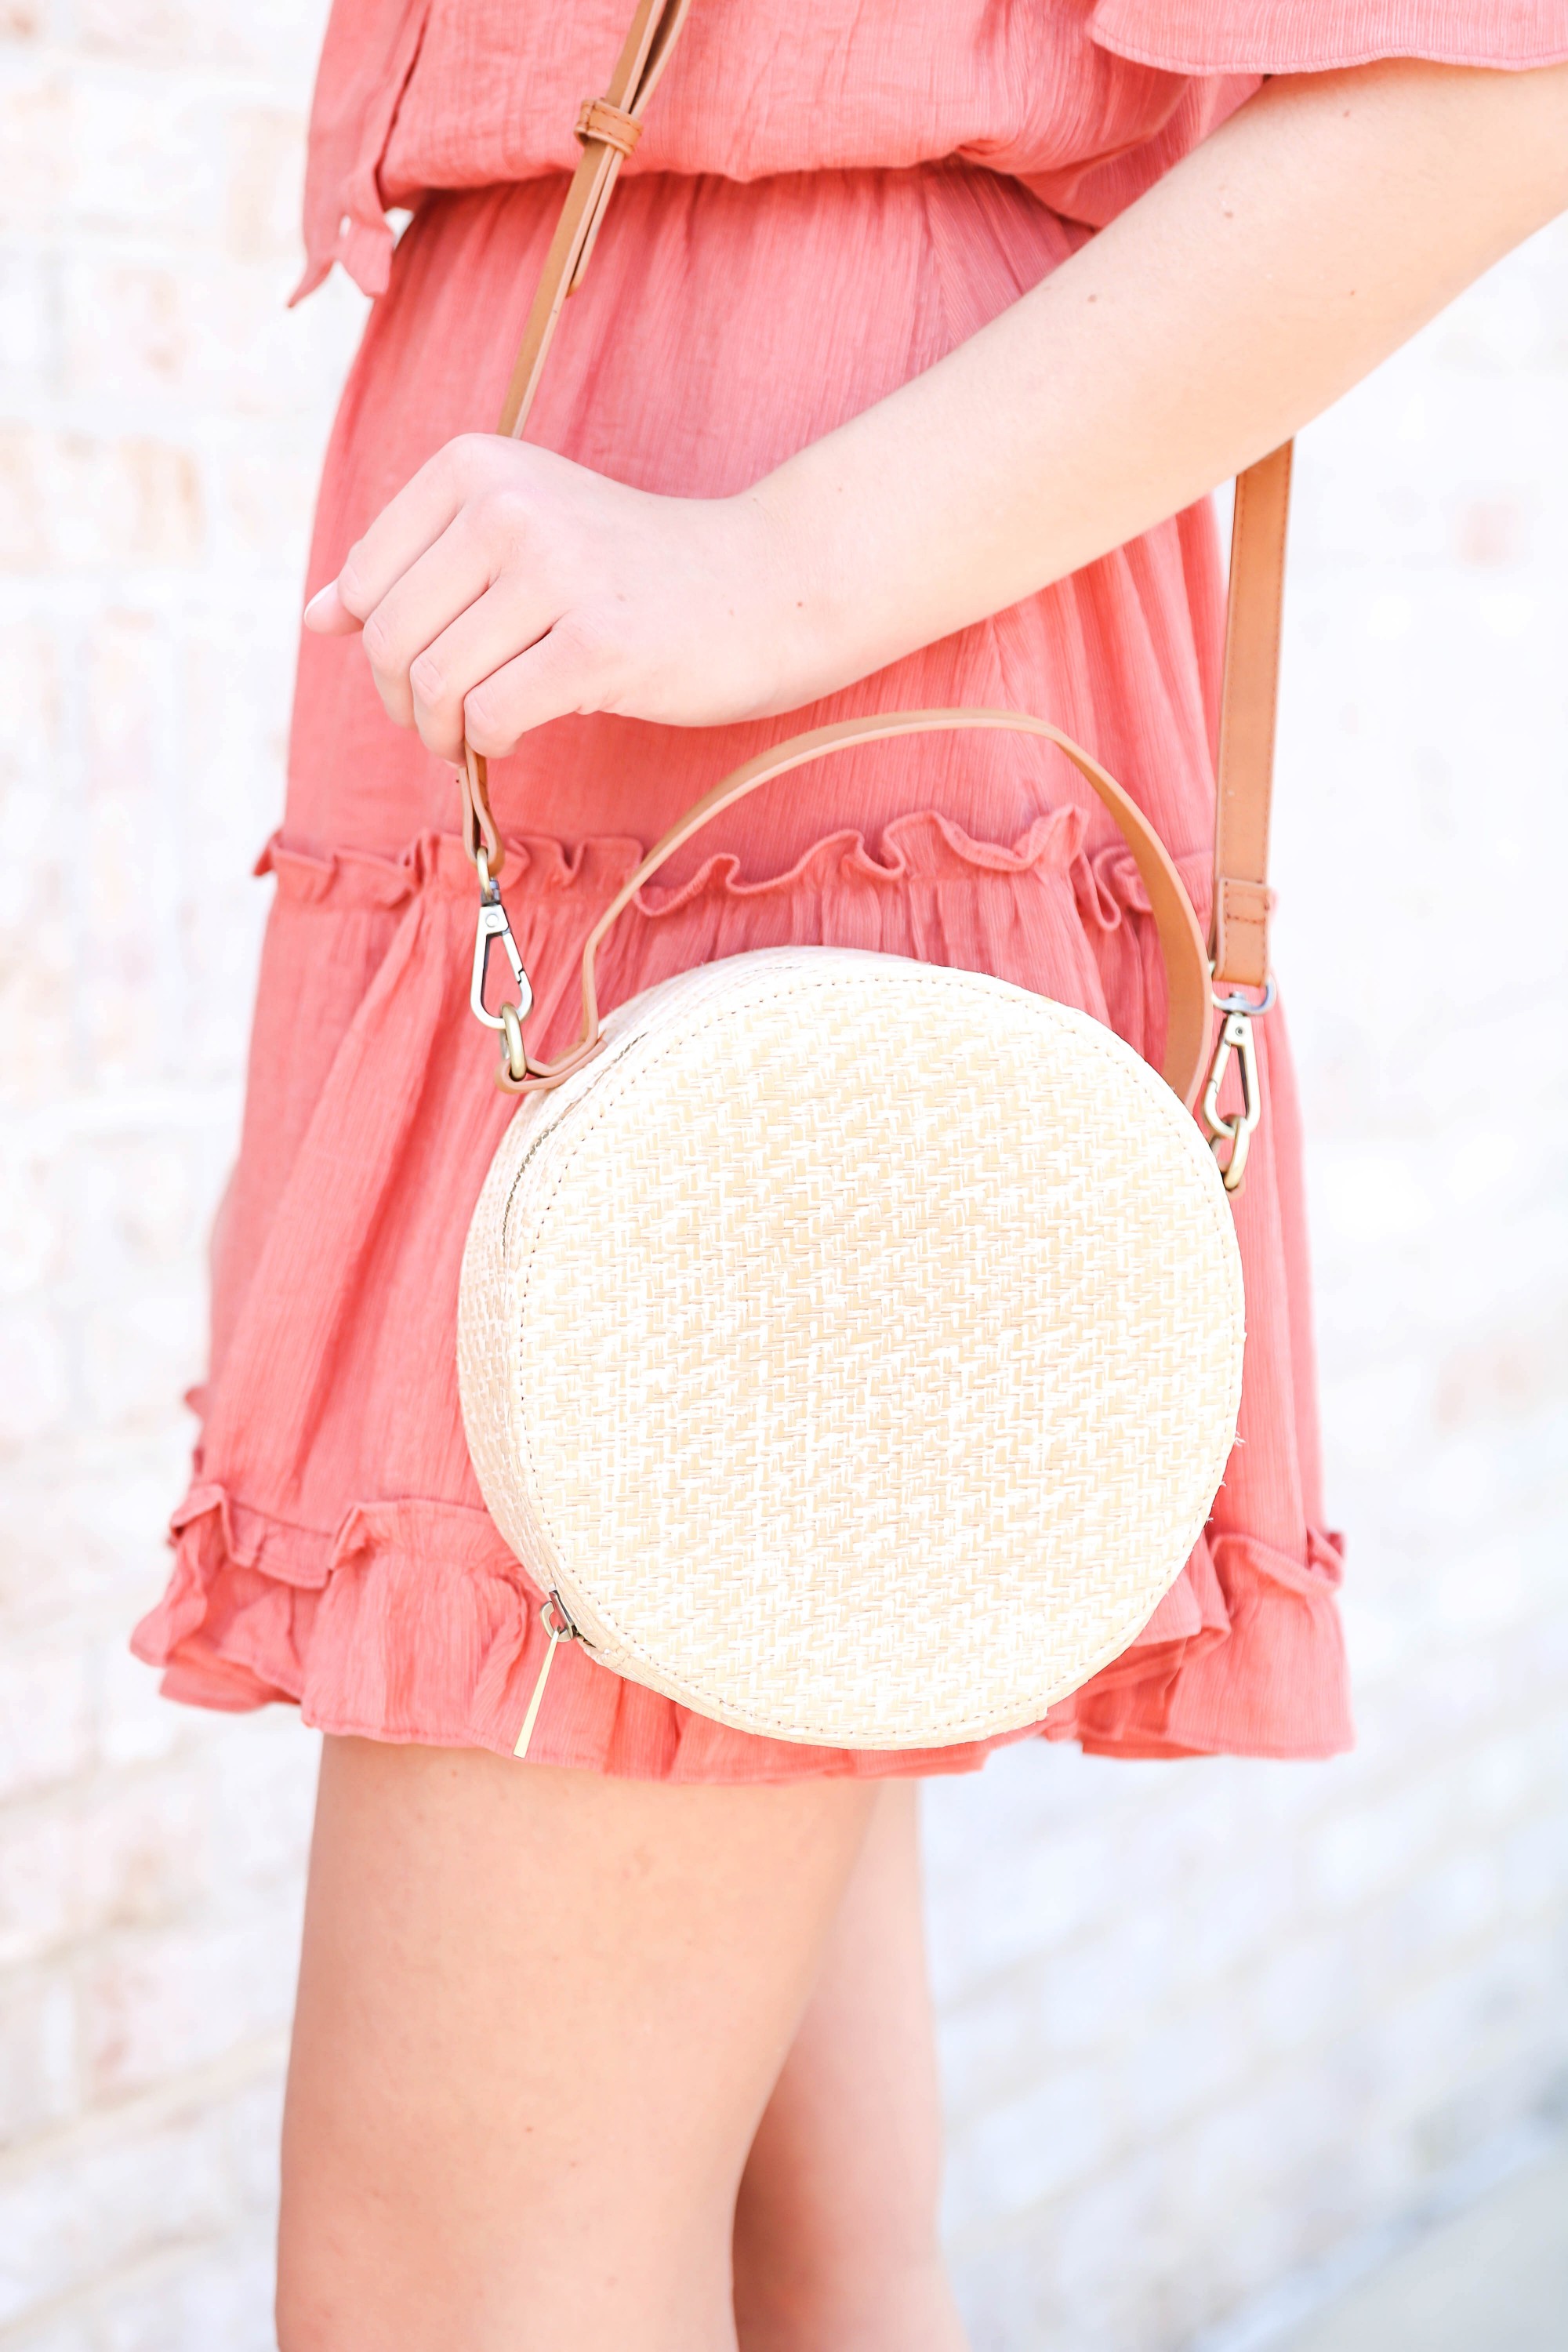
(540, 2016)
(835, 2228)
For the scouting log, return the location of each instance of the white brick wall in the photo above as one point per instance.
(1201, 2022)
(1204, 2022)
(161, 419)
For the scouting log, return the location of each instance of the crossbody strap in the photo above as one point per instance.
(1239, 926)
(609, 129)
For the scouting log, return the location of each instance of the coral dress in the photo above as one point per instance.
(825, 201)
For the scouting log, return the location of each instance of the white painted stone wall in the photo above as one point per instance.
(1203, 2023)
(1207, 2023)
(161, 420)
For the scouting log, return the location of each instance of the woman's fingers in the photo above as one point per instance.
(444, 593)
(411, 522)
(570, 668)
(407, 528)
(507, 586)
(442, 627)
(502, 621)
(328, 615)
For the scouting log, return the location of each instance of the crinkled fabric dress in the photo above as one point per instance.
(824, 202)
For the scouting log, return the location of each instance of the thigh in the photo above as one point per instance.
(540, 2015)
(836, 2227)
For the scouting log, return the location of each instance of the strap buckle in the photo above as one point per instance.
(614, 126)
(1230, 1138)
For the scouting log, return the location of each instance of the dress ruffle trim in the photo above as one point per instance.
(406, 1618)
(549, 883)
(921, 845)
(413, 1622)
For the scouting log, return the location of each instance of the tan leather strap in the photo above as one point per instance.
(608, 128)
(1239, 927)
(1181, 941)
(1238, 937)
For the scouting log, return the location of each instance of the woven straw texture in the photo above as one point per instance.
(855, 1346)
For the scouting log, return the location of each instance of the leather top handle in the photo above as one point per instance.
(609, 129)
(1181, 940)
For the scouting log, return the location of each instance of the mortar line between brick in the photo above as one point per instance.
(195, 2092)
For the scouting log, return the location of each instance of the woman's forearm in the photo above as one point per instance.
(1257, 281)
(1250, 286)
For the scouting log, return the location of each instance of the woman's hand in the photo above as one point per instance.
(1302, 242)
(506, 586)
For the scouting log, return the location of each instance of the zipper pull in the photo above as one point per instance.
(565, 1631)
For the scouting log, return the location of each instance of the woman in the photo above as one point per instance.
(630, 2045)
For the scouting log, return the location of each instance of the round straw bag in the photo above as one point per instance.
(850, 1347)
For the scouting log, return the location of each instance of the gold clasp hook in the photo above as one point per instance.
(1230, 1138)
(494, 925)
